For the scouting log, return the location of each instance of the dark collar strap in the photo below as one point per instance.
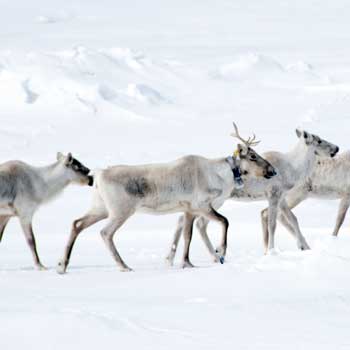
(233, 163)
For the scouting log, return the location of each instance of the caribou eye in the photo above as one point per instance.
(319, 142)
(245, 172)
(253, 157)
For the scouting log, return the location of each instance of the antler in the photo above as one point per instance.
(251, 142)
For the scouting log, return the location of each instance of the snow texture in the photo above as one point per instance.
(146, 81)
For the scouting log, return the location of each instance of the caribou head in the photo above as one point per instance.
(251, 161)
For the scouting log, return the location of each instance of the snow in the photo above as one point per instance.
(139, 82)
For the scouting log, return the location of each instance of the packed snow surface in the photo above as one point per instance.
(132, 82)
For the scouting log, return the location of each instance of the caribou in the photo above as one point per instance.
(329, 181)
(293, 170)
(193, 185)
(24, 188)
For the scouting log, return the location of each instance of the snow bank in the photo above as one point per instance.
(262, 69)
(250, 66)
(116, 75)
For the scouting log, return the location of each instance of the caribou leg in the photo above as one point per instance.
(343, 208)
(188, 230)
(175, 242)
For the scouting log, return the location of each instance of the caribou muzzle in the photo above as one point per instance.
(335, 151)
(270, 172)
(91, 180)
(85, 171)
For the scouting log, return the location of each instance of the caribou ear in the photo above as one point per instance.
(59, 156)
(308, 138)
(298, 132)
(69, 158)
(242, 149)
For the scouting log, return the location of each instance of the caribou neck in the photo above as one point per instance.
(303, 159)
(55, 179)
(223, 168)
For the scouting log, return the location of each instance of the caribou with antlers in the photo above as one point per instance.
(193, 185)
(293, 170)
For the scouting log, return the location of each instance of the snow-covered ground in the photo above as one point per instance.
(147, 81)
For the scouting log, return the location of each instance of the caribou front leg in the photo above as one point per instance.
(292, 224)
(26, 224)
(201, 224)
(175, 242)
(282, 218)
(265, 228)
(271, 218)
(188, 230)
(212, 214)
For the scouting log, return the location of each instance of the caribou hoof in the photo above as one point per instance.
(126, 269)
(222, 259)
(271, 252)
(41, 267)
(187, 264)
(303, 246)
(169, 260)
(216, 258)
(221, 252)
(61, 268)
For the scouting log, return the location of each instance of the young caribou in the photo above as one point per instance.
(329, 180)
(192, 185)
(307, 143)
(23, 188)
(293, 169)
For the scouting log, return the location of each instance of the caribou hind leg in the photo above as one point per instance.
(212, 214)
(343, 208)
(78, 226)
(202, 225)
